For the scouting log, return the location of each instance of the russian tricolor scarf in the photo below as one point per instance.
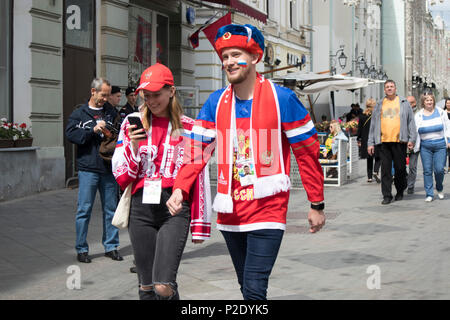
(265, 140)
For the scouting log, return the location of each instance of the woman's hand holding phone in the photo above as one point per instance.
(136, 132)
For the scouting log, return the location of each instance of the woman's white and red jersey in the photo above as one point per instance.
(299, 134)
(132, 168)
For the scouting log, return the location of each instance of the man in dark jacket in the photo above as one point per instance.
(87, 127)
(131, 106)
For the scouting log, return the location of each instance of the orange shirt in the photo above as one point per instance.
(390, 120)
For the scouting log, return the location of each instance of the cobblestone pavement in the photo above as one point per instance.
(406, 244)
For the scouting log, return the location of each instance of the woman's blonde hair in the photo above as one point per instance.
(334, 124)
(370, 104)
(175, 114)
(427, 95)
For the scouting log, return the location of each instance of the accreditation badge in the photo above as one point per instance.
(246, 171)
(152, 191)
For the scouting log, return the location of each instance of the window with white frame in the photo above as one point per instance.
(294, 10)
(5, 59)
(271, 10)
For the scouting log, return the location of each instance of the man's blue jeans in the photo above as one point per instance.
(88, 184)
(433, 155)
(253, 254)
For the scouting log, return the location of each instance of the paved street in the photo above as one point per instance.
(407, 243)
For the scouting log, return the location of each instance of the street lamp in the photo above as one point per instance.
(373, 71)
(342, 58)
(366, 71)
(380, 73)
(361, 63)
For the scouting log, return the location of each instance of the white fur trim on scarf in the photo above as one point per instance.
(271, 185)
(223, 203)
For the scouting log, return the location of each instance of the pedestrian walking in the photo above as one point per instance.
(392, 128)
(253, 122)
(413, 156)
(363, 136)
(433, 139)
(149, 158)
(447, 108)
(87, 128)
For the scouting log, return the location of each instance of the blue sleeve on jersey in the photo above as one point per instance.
(291, 108)
(208, 111)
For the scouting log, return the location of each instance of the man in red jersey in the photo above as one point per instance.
(252, 123)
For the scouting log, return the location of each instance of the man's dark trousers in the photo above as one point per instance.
(393, 151)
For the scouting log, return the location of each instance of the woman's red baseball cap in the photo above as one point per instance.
(155, 77)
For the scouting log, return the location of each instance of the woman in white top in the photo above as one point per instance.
(433, 138)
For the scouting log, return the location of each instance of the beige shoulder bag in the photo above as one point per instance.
(122, 214)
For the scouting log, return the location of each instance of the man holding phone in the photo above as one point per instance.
(86, 128)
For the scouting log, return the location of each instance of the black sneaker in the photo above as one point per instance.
(386, 200)
(399, 196)
(84, 257)
(114, 255)
(410, 191)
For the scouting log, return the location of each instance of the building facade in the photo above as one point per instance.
(52, 49)
(351, 29)
(415, 48)
(285, 26)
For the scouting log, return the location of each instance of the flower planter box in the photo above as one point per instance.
(6, 143)
(22, 143)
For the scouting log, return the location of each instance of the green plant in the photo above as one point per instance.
(24, 132)
(13, 131)
(351, 124)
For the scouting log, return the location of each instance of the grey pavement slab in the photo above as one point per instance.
(408, 241)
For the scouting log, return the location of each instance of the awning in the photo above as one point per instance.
(337, 83)
(309, 82)
(242, 8)
(303, 79)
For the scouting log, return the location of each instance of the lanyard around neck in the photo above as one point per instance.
(166, 144)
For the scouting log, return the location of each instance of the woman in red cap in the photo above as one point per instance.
(149, 159)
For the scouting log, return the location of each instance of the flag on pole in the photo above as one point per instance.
(210, 30)
(193, 38)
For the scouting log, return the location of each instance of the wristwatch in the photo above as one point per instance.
(318, 207)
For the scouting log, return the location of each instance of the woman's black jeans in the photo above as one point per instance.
(158, 240)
